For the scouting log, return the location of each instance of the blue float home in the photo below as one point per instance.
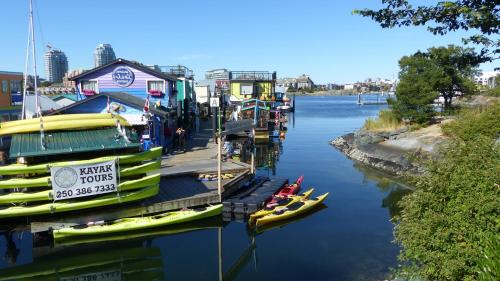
(128, 85)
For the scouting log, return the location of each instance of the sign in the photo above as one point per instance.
(233, 127)
(83, 180)
(214, 102)
(123, 76)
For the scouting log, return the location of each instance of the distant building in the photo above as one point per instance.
(67, 82)
(488, 78)
(349, 87)
(103, 54)
(56, 65)
(304, 82)
(217, 74)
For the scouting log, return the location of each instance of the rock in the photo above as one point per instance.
(363, 137)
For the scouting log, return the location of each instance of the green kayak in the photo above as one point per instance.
(45, 181)
(19, 169)
(72, 205)
(46, 195)
(129, 224)
(64, 264)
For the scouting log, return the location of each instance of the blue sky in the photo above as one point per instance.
(317, 37)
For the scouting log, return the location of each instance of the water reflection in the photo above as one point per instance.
(125, 261)
(394, 187)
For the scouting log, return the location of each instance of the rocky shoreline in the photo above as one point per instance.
(393, 152)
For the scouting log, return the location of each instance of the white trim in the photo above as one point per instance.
(155, 80)
(89, 80)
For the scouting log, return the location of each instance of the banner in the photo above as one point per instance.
(83, 180)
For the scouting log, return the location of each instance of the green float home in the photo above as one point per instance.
(252, 85)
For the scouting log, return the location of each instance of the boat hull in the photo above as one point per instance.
(129, 224)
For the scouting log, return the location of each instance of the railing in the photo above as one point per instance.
(177, 70)
(252, 75)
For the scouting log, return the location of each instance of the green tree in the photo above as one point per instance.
(440, 71)
(482, 16)
(451, 222)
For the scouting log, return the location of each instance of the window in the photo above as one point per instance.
(89, 86)
(155, 86)
(246, 89)
(5, 86)
(15, 86)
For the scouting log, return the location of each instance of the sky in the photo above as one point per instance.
(321, 38)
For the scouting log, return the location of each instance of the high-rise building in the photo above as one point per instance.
(103, 54)
(56, 65)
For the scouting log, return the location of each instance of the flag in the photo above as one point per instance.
(108, 106)
(146, 105)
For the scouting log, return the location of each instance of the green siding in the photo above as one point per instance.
(181, 91)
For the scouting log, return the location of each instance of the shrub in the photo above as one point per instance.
(386, 121)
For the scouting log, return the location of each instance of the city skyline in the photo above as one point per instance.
(330, 44)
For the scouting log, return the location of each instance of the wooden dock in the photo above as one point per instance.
(250, 199)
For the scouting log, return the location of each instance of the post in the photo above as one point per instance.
(252, 157)
(219, 157)
(219, 243)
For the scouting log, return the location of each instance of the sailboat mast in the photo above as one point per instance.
(26, 69)
(33, 46)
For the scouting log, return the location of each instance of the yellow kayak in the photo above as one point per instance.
(129, 224)
(62, 117)
(291, 210)
(73, 205)
(46, 195)
(19, 169)
(290, 200)
(62, 125)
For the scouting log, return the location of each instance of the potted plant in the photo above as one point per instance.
(88, 92)
(156, 93)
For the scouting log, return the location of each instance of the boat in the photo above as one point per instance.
(62, 117)
(129, 224)
(283, 223)
(283, 202)
(202, 224)
(282, 213)
(74, 205)
(16, 169)
(47, 195)
(64, 125)
(286, 191)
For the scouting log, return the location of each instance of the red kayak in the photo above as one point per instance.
(287, 190)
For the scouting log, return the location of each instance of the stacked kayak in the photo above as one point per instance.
(283, 202)
(140, 223)
(27, 189)
(291, 210)
(286, 191)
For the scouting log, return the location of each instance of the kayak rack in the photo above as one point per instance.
(250, 198)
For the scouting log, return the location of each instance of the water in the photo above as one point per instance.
(350, 239)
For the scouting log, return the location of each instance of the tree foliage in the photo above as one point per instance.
(444, 17)
(451, 222)
(440, 71)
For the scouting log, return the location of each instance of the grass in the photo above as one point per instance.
(386, 121)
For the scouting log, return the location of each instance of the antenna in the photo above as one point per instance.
(49, 46)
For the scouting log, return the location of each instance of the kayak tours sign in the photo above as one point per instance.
(83, 180)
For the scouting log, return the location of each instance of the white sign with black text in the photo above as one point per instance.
(83, 180)
(214, 102)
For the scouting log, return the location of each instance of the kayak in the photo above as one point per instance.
(286, 191)
(203, 224)
(282, 202)
(62, 117)
(16, 169)
(73, 205)
(291, 210)
(129, 224)
(45, 181)
(62, 125)
(46, 195)
(55, 265)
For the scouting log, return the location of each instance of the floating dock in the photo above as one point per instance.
(250, 198)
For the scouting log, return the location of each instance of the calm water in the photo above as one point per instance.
(350, 239)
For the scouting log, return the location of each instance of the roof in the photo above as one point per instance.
(28, 145)
(46, 104)
(131, 64)
(67, 96)
(120, 96)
